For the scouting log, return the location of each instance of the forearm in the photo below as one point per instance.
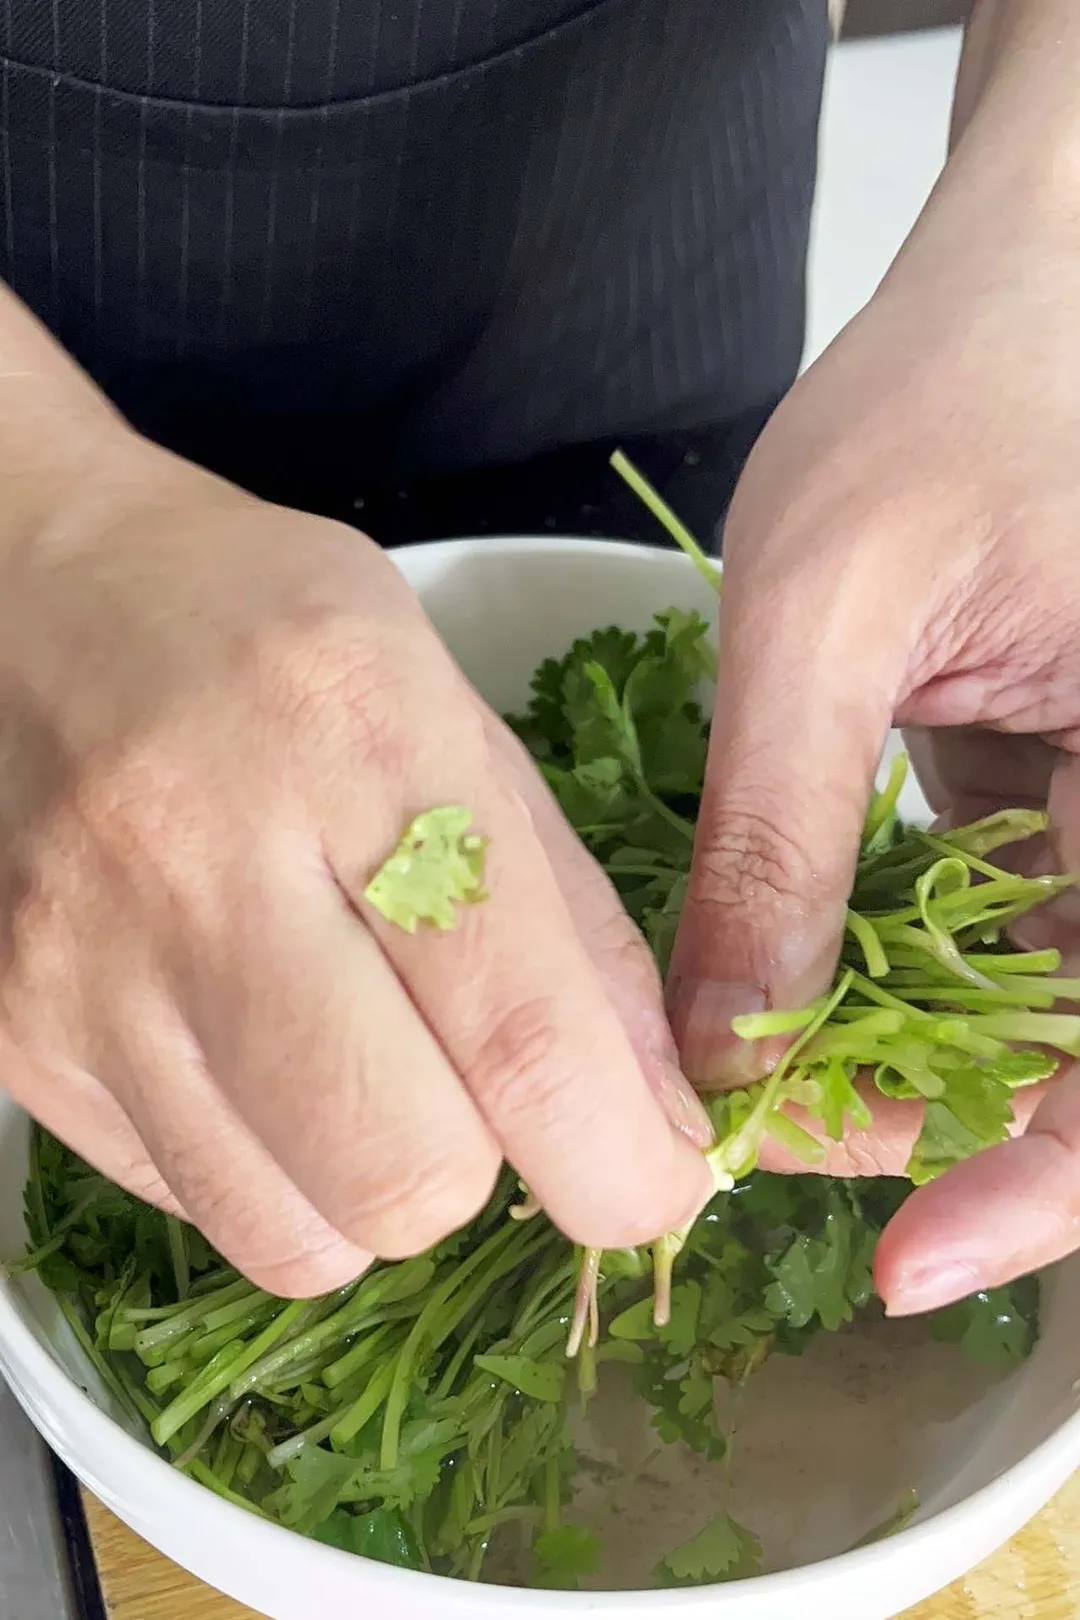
(57, 430)
(1006, 209)
(1020, 74)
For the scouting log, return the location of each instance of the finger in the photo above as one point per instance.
(523, 1016)
(616, 948)
(794, 748)
(74, 1107)
(968, 771)
(1007, 1211)
(1056, 926)
(321, 1052)
(231, 1187)
(884, 1147)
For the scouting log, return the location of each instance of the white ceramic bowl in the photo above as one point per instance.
(502, 605)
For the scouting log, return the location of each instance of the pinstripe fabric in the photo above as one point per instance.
(473, 229)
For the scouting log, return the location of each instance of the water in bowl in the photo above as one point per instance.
(825, 1447)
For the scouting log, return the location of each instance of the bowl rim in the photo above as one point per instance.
(74, 1410)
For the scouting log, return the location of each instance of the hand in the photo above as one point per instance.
(217, 718)
(903, 546)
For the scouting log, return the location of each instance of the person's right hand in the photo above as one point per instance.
(216, 720)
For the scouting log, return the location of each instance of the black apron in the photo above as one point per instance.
(338, 249)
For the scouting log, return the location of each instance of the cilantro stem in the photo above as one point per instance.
(363, 1408)
(428, 1328)
(552, 1494)
(869, 942)
(457, 1361)
(660, 510)
(136, 1405)
(356, 1357)
(178, 1255)
(180, 1321)
(585, 1304)
(672, 817)
(225, 1371)
(883, 804)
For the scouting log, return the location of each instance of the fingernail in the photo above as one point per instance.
(684, 1107)
(701, 1012)
(931, 1287)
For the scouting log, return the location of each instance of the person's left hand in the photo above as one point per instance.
(904, 546)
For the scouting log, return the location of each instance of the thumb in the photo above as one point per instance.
(805, 698)
(1009, 1210)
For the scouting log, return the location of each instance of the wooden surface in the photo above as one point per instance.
(1037, 1577)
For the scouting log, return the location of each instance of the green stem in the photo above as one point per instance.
(178, 1255)
(225, 1371)
(662, 512)
(428, 1331)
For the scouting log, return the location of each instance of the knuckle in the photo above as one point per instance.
(142, 1178)
(594, 902)
(516, 1065)
(330, 674)
(415, 1201)
(618, 948)
(862, 1158)
(130, 805)
(746, 859)
(279, 1244)
(192, 1170)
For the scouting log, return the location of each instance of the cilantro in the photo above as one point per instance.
(997, 1326)
(563, 1555)
(681, 1396)
(721, 1551)
(542, 1380)
(438, 865)
(827, 1276)
(898, 1520)
(974, 1112)
(382, 1533)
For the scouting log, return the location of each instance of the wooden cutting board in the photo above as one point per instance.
(1036, 1577)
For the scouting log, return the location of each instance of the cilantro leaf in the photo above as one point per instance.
(826, 1276)
(592, 796)
(546, 728)
(660, 696)
(563, 1555)
(438, 865)
(721, 1550)
(381, 1533)
(897, 1520)
(603, 728)
(996, 1327)
(974, 1111)
(682, 1400)
(660, 915)
(540, 1380)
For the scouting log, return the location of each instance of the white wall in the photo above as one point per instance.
(883, 139)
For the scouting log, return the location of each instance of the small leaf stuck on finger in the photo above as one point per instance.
(437, 866)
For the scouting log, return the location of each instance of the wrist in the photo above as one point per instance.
(68, 462)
